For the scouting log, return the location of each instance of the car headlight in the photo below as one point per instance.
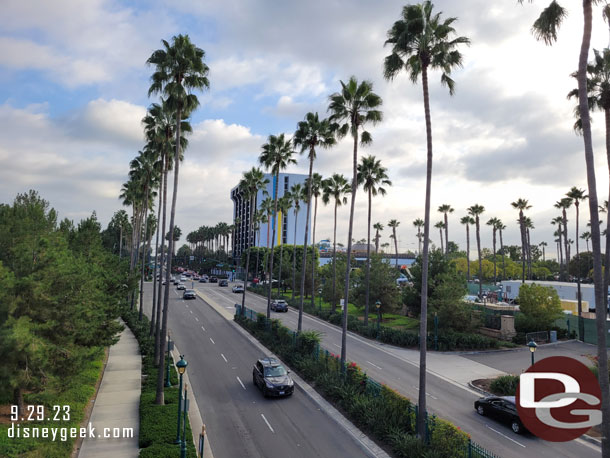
(269, 384)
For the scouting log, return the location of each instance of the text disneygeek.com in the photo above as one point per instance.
(17, 431)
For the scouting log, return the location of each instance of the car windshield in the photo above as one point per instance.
(280, 302)
(191, 291)
(274, 371)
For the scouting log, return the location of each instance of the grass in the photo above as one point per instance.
(77, 395)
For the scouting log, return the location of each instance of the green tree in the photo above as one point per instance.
(444, 209)
(373, 177)
(382, 286)
(316, 191)
(419, 223)
(578, 195)
(540, 305)
(378, 228)
(421, 41)
(284, 204)
(298, 194)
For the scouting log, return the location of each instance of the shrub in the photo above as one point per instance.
(505, 385)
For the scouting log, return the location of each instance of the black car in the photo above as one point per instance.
(213, 280)
(279, 305)
(203, 280)
(272, 378)
(503, 409)
(223, 283)
(189, 294)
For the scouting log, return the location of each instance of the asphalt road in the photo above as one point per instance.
(447, 399)
(240, 422)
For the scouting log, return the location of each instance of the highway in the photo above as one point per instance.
(398, 369)
(240, 422)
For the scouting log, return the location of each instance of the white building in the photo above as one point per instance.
(565, 290)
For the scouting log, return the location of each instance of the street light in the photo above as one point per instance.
(170, 347)
(181, 366)
(378, 305)
(320, 299)
(532, 345)
(183, 442)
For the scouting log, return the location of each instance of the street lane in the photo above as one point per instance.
(446, 398)
(239, 420)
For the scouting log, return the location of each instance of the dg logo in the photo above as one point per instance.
(559, 399)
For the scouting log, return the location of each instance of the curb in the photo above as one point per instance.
(364, 442)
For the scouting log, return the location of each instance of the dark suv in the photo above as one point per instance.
(223, 283)
(503, 409)
(279, 305)
(270, 376)
(213, 280)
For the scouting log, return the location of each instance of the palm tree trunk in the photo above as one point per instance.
(243, 297)
(523, 252)
(395, 246)
(313, 255)
(368, 263)
(468, 252)
(158, 349)
(277, 184)
(334, 298)
(143, 268)
(423, 322)
(294, 252)
(440, 230)
(279, 281)
(121, 241)
(478, 228)
(561, 263)
(159, 400)
(376, 241)
(607, 249)
(494, 246)
(502, 250)
(304, 262)
(600, 294)
(578, 268)
(257, 239)
(529, 254)
(349, 254)
(566, 241)
(419, 239)
(446, 234)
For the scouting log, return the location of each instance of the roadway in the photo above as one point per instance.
(398, 368)
(240, 422)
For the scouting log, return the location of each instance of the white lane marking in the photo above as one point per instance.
(338, 346)
(202, 328)
(223, 357)
(191, 311)
(505, 436)
(197, 318)
(268, 424)
(427, 394)
(241, 383)
(185, 304)
(212, 340)
(374, 365)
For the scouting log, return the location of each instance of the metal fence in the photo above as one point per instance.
(539, 337)
(570, 323)
(374, 388)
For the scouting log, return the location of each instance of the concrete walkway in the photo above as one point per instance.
(117, 403)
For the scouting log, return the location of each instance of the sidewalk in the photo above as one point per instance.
(117, 403)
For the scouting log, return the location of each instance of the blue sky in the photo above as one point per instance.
(73, 89)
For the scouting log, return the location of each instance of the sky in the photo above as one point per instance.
(74, 84)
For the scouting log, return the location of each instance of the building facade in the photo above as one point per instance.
(285, 223)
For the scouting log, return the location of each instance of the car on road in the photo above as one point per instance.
(182, 277)
(203, 280)
(279, 305)
(164, 282)
(501, 408)
(272, 378)
(189, 294)
(223, 283)
(181, 286)
(238, 289)
(213, 280)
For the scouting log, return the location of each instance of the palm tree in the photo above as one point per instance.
(543, 245)
(521, 205)
(372, 176)
(419, 223)
(501, 227)
(298, 193)
(316, 190)
(529, 225)
(394, 224)
(267, 208)
(421, 41)
(586, 236)
(336, 188)
(563, 205)
(284, 204)
(440, 225)
(467, 221)
(351, 109)
(558, 221)
(475, 211)
(378, 227)
(578, 195)
(444, 209)
(310, 134)
(252, 181)
(179, 70)
(276, 156)
(259, 218)
(494, 223)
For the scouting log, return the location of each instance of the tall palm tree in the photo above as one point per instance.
(421, 41)
(521, 205)
(501, 226)
(252, 181)
(419, 224)
(336, 188)
(310, 134)
(475, 211)
(394, 224)
(558, 220)
(586, 236)
(372, 176)
(316, 190)
(298, 193)
(378, 227)
(543, 246)
(179, 70)
(260, 218)
(444, 209)
(440, 225)
(351, 109)
(528, 225)
(284, 204)
(578, 195)
(563, 205)
(467, 221)
(494, 223)
(266, 207)
(276, 156)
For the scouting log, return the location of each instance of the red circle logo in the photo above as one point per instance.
(558, 399)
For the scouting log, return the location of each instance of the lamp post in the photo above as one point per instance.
(320, 299)
(181, 366)
(532, 345)
(170, 347)
(378, 305)
(183, 442)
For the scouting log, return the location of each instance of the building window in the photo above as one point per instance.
(285, 184)
(284, 229)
